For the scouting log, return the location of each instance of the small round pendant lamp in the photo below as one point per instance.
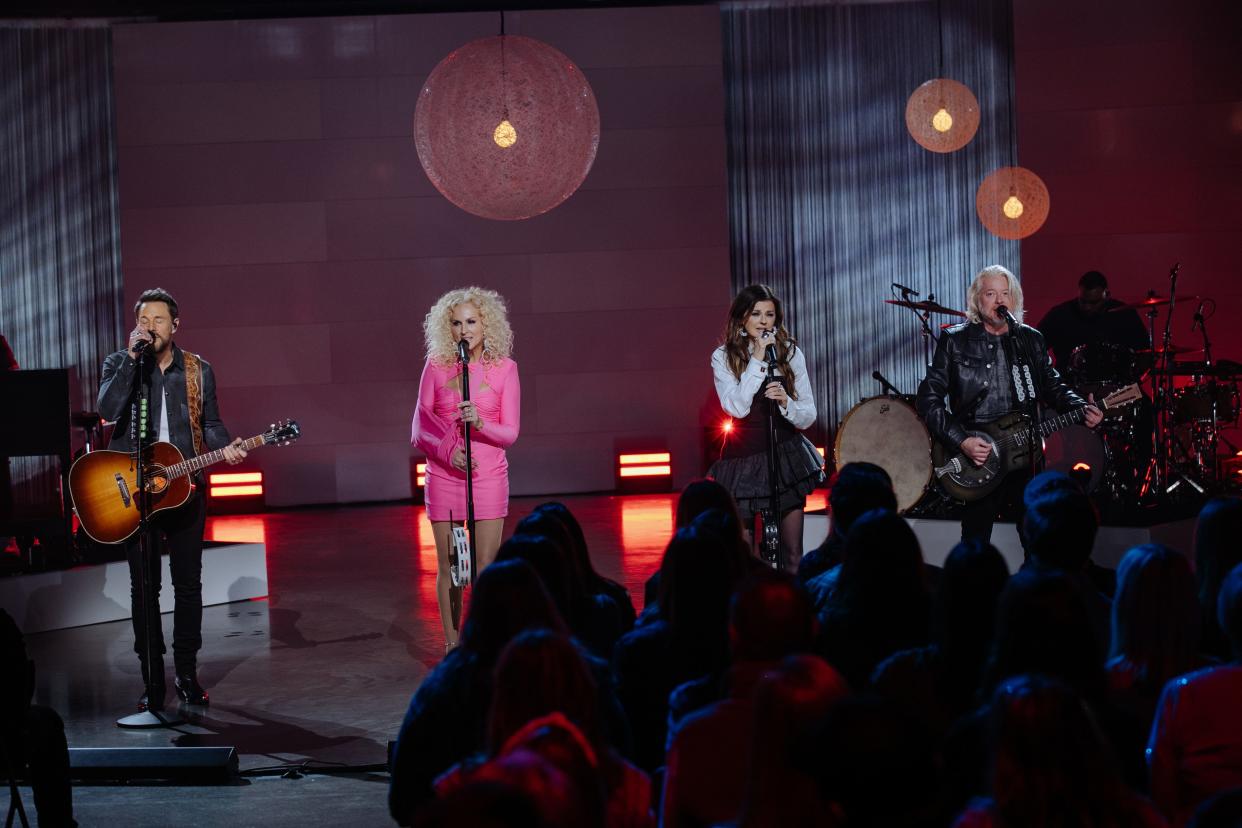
(1012, 202)
(942, 115)
(506, 127)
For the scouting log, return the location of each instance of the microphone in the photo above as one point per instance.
(905, 289)
(769, 354)
(143, 344)
(1198, 323)
(463, 353)
(1003, 313)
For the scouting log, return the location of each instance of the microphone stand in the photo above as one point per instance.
(771, 542)
(463, 351)
(139, 429)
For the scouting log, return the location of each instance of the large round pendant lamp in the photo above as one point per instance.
(942, 115)
(506, 127)
(1012, 202)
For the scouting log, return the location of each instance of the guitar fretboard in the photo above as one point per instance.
(1046, 427)
(202, 461)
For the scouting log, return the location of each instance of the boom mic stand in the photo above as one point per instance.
(139, 427)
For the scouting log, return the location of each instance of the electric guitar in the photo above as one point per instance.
(104, 484)
(962, 479)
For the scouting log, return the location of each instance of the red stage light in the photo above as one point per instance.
(235, 484)
(656, 465)
(726, 427)
(1081, 467)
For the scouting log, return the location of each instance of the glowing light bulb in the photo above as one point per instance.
(1012, 207)
(942, 121)
(505, 135)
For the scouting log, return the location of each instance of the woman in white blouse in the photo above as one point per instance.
(740, 370)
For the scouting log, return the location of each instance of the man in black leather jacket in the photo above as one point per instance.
(972, 368)
(157, 319)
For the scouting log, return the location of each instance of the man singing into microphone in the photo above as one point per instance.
(972, 367)
(183, 412)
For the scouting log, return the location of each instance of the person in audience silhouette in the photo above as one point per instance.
(542, 672)
(594, 581)
(1195, 749)
(856, 488)
(880, 603)
(1217, 550)
(32, 736)
(770, 618)
(444, 723)
(1051, 765)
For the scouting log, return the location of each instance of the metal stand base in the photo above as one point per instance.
(148, 719)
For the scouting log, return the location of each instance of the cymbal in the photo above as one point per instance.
(1149, 302)
(925, 307)
(1174, 350)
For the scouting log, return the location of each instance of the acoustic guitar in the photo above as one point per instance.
(1009, 436)
(104, 484)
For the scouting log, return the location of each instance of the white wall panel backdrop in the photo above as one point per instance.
(268, 179)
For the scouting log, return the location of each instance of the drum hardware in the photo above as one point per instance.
(928, 306)
(923, 310)
(1151, 300)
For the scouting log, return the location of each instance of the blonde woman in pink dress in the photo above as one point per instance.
(478, 317)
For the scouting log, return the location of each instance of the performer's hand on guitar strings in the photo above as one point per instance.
(233, 452)
(458, 460)
(1094, 414)
(976, 449)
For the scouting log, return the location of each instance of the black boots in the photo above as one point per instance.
(154, 688)
(189, 690)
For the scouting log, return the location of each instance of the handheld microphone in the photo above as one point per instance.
(905, 289)
(1003, 313)
(143, 344)
(463, 353)
(1198, 323)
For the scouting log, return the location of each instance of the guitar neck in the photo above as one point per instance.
(1046, 427)
(202, 461)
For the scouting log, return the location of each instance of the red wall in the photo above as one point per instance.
(269, 179)
(1131, 111)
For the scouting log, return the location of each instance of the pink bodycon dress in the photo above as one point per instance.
(436, 432)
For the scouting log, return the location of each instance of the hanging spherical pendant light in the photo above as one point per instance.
(942, 115)
(506, 127)
(1012, 202)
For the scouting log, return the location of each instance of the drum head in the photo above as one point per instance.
(1077, 451)
(887, 432)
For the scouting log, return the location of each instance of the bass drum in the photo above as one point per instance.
(887, 432)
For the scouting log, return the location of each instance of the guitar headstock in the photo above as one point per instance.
(1124, 396)
(282, 433)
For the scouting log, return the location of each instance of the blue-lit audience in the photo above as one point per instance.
(863, 693)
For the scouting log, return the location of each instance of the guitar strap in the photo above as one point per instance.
(194, 396)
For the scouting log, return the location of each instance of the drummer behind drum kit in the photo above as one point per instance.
(1139, 455)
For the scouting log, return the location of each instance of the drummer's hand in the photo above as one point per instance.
(977, 449)
(458, 460)
(1094, 415)
(759, 345)
(776, 391)
(469, 414)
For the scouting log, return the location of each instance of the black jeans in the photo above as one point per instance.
(1004, 502)
(181, 530)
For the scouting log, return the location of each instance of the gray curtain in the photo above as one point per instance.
(830, 199)
(60, 276)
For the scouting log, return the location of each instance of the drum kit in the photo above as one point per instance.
(1140, 456)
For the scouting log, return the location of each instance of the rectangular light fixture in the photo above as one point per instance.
(235, 484)
(237, 491)
(646, 471)
(644, 459)
(420, 471)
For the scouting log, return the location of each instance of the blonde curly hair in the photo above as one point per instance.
(438, 326)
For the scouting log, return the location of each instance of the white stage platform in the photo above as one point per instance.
(938, 537)
(93, 594)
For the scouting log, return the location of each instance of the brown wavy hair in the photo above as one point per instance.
(737, 342)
